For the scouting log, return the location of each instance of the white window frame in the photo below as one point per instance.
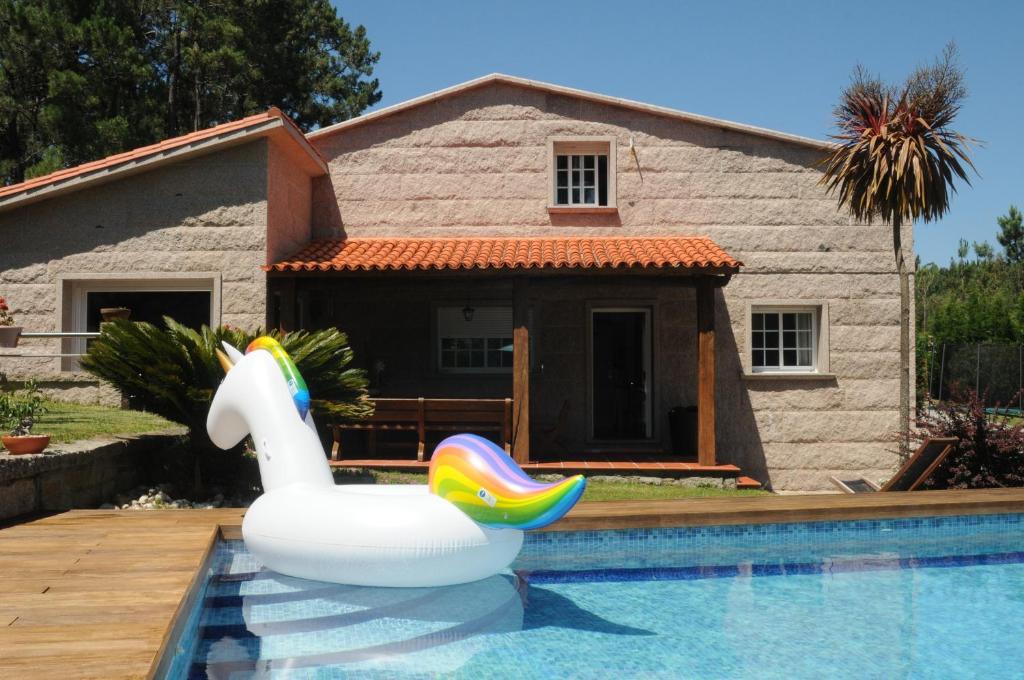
(74, 292)
(572, 170)
(582, 146)
(819, 338)
(470, 370)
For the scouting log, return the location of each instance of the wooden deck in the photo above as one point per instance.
(95, 593)
(778, 509)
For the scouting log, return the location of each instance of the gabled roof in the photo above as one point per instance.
(568, 92)
(679, 253)
(271, 123)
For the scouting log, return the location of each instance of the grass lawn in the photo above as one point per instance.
(596, 491)
(66, 422)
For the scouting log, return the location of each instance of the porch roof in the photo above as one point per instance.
(693, 254)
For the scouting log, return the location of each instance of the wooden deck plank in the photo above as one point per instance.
(775, 509)
(111, 612)
(631, 466)
(90, 594)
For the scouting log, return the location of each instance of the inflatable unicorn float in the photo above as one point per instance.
(466, 524)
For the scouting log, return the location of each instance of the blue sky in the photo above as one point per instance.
(774, 64)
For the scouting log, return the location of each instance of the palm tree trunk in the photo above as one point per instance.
(901, 272)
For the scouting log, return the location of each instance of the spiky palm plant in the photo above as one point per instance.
(896, 159)
(173, 371)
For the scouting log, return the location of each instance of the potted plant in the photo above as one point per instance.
(111, 313)
(9, 333)
(18, 413)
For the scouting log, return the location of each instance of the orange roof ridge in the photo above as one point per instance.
(528, 252)
(143, 152)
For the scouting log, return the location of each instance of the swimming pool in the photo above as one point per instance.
(929, 597)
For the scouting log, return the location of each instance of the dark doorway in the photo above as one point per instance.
(621, 374)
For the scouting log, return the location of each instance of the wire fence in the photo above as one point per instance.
(995, 371)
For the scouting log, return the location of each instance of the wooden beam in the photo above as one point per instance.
(706, 454)
(520, 372)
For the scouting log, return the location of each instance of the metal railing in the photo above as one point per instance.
(49, 334)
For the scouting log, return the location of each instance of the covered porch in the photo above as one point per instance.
(593, 340)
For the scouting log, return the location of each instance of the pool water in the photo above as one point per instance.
(938, 597)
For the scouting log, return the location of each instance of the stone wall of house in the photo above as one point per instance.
(476, 165)
(207, 214)
(289, 205)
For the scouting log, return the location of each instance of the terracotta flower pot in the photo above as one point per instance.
(111, 313)
(33, 443)
(9, 336)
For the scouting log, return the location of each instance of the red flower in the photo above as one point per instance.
(6, 319)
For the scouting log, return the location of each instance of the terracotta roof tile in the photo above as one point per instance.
(397, 254)
(144, 151)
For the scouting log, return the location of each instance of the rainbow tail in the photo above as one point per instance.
(476, 476)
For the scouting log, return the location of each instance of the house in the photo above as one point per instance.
(600, 261)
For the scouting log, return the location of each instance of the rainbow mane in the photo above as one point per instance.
(296, 385)
(476, 476)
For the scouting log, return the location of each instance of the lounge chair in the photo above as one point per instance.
(918, 468)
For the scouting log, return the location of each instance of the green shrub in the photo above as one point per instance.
(19, 409)
(990, 447)
(174, 372)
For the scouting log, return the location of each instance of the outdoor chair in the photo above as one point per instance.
(918, 468)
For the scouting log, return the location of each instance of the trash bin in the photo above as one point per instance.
(682, 427)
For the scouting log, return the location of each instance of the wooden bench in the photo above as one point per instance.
(425, 415)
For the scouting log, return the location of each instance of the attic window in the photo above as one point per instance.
(582, 174)
(581, 179)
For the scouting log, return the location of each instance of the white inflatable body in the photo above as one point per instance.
(387, 535)
(306, 526)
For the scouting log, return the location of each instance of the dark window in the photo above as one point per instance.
(191, 308)
(782, 340)
(471, 352)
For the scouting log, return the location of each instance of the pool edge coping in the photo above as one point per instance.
(161, 663)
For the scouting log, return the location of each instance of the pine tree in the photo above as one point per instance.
(1011, 234)
(82, 79)
(984, 251)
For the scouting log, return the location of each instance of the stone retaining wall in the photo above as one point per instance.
(77, 475)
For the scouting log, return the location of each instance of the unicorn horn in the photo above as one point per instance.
(225, 362)
(233, 353)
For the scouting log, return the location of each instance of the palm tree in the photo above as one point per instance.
(896, 159)
(174, 372)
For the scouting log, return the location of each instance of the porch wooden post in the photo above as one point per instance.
(706, 454)
(520, 372)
